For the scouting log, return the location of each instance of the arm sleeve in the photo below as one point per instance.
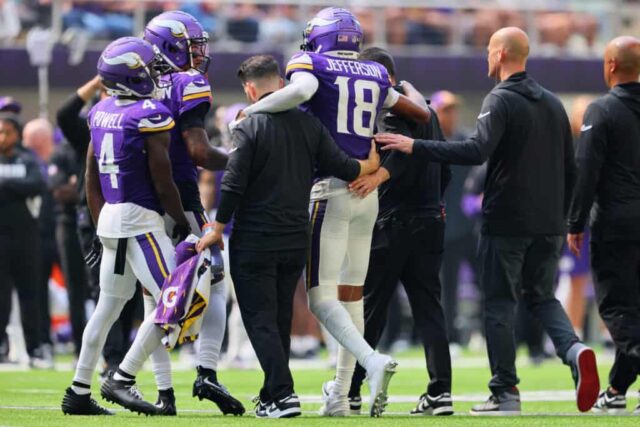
(490, 127)
(73, 127)
(333, 161)
(227, 206)
(391, 99)
(592, 145)
(195, 117)
(302, 87)
(236, 176)
(29, 186)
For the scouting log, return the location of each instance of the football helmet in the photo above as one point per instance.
(180, 39)
(332, 29)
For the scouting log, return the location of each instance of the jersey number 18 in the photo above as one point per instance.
(356, 89)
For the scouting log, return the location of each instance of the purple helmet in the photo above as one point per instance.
(9, 104)
(332, 29)
(180, 39)
(130, 67)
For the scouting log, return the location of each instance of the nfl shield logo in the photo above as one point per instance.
(343, 38)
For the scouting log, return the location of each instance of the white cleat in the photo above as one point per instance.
(380, 371)
(334, 405)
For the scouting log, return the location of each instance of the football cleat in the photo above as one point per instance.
(355, 405)
(609, 403)
(207, 387)
(379, 374)
(506, 404)
(121, 393)
(334, 405)
(166, 403)
(81, 404)
(438, 405)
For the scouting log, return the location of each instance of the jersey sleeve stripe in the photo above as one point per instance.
(206, 94)
(157, 129)
(291, 67)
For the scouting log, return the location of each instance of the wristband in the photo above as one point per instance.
(207, 228)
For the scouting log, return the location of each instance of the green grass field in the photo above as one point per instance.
(32, 398)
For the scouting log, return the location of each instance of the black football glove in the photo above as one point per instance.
(93, 257)
(180, 232)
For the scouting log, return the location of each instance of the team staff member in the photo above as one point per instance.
(21, 183)
(609, 180)
(524, 133)
(267, 184)
(407, 246)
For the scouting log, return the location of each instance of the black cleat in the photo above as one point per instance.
(166, 403)
(81, 404)
(207, 387)
(124, 393)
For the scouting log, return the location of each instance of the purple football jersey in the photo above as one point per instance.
(118, 132)
(350, 95)
(188, 89)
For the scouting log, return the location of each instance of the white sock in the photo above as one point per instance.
(213, 326)
(93, 338)
(346, 363)
(146, 342)
(159, 356)
(331, 313)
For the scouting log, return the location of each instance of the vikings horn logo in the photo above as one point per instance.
(169, 296)
(318, 22)
(130, 59)
(177, 28)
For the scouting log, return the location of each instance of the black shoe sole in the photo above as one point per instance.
(225, 402)
(109, 396)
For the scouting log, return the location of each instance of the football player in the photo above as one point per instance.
(346, 95)
(183, 44)
(129, 188)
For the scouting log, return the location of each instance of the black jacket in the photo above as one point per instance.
(269, 176)
(609, 167)
(524, 132)
(21, 184)
(413, 188)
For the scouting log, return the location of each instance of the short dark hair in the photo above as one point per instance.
(258, 67)
(381, 56)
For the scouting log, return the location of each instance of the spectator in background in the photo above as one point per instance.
(38, 136)
(9, 20)
(206, 13)
(21, 184)
(396, 30)
(280, 25)
(101, 20)
(427, 26)
(244, 23)
(578, 267)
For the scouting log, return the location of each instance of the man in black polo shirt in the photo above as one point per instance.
(609, 180)
(407, 246)
(524, 133)
(267, 186)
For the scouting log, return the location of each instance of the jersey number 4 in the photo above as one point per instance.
(107, 164)
(356, 90)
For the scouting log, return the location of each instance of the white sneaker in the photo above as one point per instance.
(379, 372)
(334, 405)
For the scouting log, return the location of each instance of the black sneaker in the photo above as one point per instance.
(166, 403)
(261, 407)
(637, 410)
(355, 405)
(505, 403)
(81, 404)
(207, 387)
(287, 407)
(126, 395)
(438, 405)
(609, 403)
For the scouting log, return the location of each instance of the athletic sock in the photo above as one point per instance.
(213, 326)
(122, 376)
(147, 340)
(346, 363)
(161, 363)
(80, 388)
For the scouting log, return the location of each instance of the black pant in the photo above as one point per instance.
(20, 268)
(513, 265)
(265, 283)
(616, 268)
(75, 276)
(119, 338)
(412, 255)
(49, 256)
(455, 252)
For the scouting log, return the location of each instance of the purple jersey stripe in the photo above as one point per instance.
(317, 218)
(154, 257)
